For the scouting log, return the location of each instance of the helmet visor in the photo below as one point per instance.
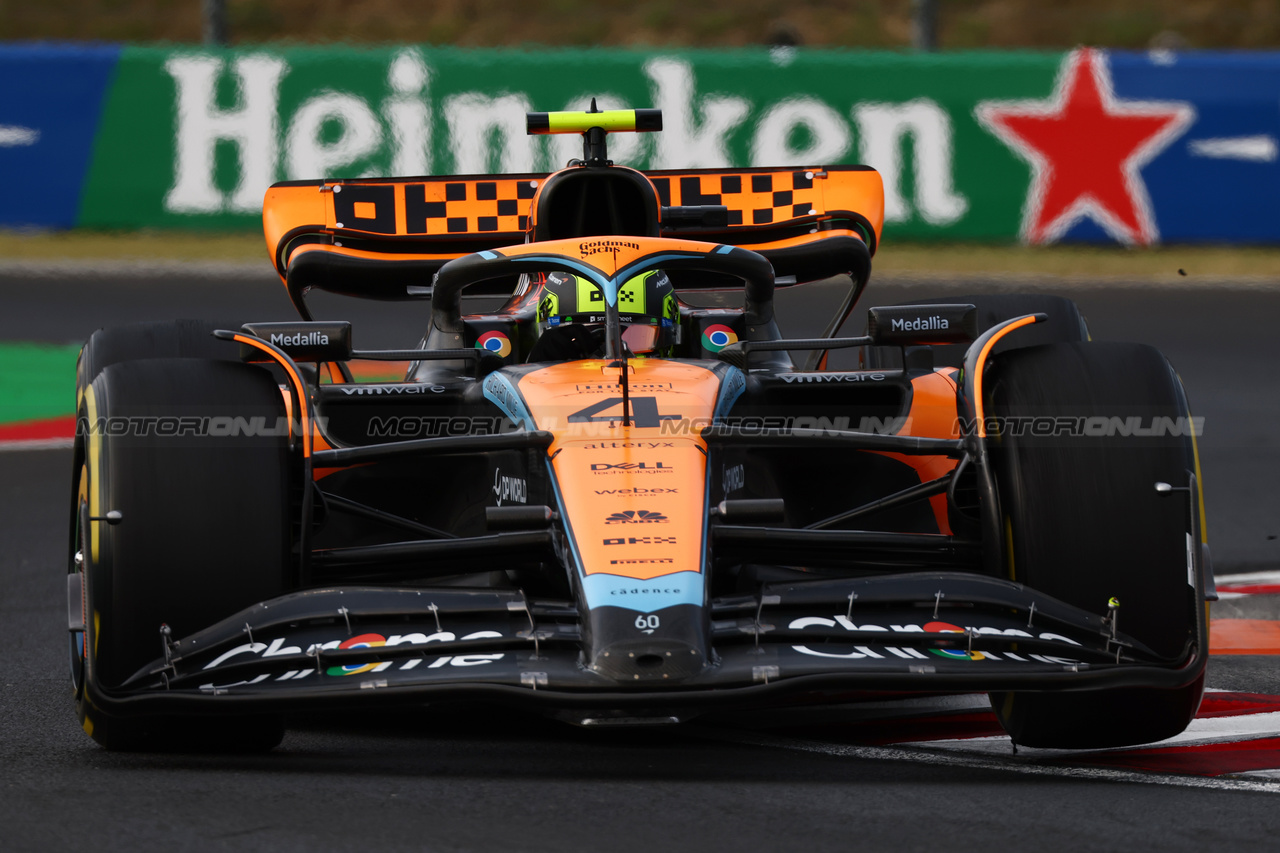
(641, 338)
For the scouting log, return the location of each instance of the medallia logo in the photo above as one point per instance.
(919, 324)
(300, 339)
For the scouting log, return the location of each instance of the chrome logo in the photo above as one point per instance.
(953, 654)
(716, 338)
(362, 641)
(495, 342)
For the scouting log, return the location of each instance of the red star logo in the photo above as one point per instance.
(1087, 149)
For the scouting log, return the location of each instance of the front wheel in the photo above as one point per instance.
(1087, 430)
(193, 455)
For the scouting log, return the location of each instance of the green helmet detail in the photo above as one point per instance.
(549, 306)
(647, 299)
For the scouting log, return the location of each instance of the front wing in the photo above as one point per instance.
(933, 632)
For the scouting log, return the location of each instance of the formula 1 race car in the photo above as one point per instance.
(621, 496)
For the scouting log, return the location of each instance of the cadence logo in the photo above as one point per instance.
(646, 590)
(637, 516)
(919, 324)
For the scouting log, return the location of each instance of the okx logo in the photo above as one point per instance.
(637, 516)
(641, 540)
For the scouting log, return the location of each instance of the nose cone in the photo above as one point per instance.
(649, 660)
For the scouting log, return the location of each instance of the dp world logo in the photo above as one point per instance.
(637, 516)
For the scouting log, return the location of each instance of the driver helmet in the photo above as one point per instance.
(647, 309)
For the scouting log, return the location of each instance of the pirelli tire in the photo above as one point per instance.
(134, 341)
(1084, 523)
(193, 454)
(159, 339)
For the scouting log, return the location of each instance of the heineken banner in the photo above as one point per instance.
(1090, 145)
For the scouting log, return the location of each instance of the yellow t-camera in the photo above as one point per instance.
(580, 122)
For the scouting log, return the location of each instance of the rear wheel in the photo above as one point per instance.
(1084, 523)
(193, 454)
(164, 339)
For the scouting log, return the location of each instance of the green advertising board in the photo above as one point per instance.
(192, 138)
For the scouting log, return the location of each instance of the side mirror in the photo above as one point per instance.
(315, 341)
(922, 325)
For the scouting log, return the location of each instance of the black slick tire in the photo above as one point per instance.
(162, 339)
(1084, 523)
(200, 476)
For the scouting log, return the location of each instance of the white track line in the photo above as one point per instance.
(36, 444)
(1010, 764)
(1248, 578)
(1226, 729)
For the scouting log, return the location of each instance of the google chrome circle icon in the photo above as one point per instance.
(717, 337)
(364, 641)
(495, 342)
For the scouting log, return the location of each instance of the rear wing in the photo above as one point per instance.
(384, 238)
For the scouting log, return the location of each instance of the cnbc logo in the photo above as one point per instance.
(637, 516)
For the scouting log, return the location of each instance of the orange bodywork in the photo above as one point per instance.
(497, 210)
(606, 470)
(933, 415)
(831, 191)
(607, 255)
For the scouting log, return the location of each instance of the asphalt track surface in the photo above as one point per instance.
(432, 780)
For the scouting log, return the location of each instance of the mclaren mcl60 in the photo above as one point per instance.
(621, 494)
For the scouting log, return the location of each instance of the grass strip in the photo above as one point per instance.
(38, 381)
